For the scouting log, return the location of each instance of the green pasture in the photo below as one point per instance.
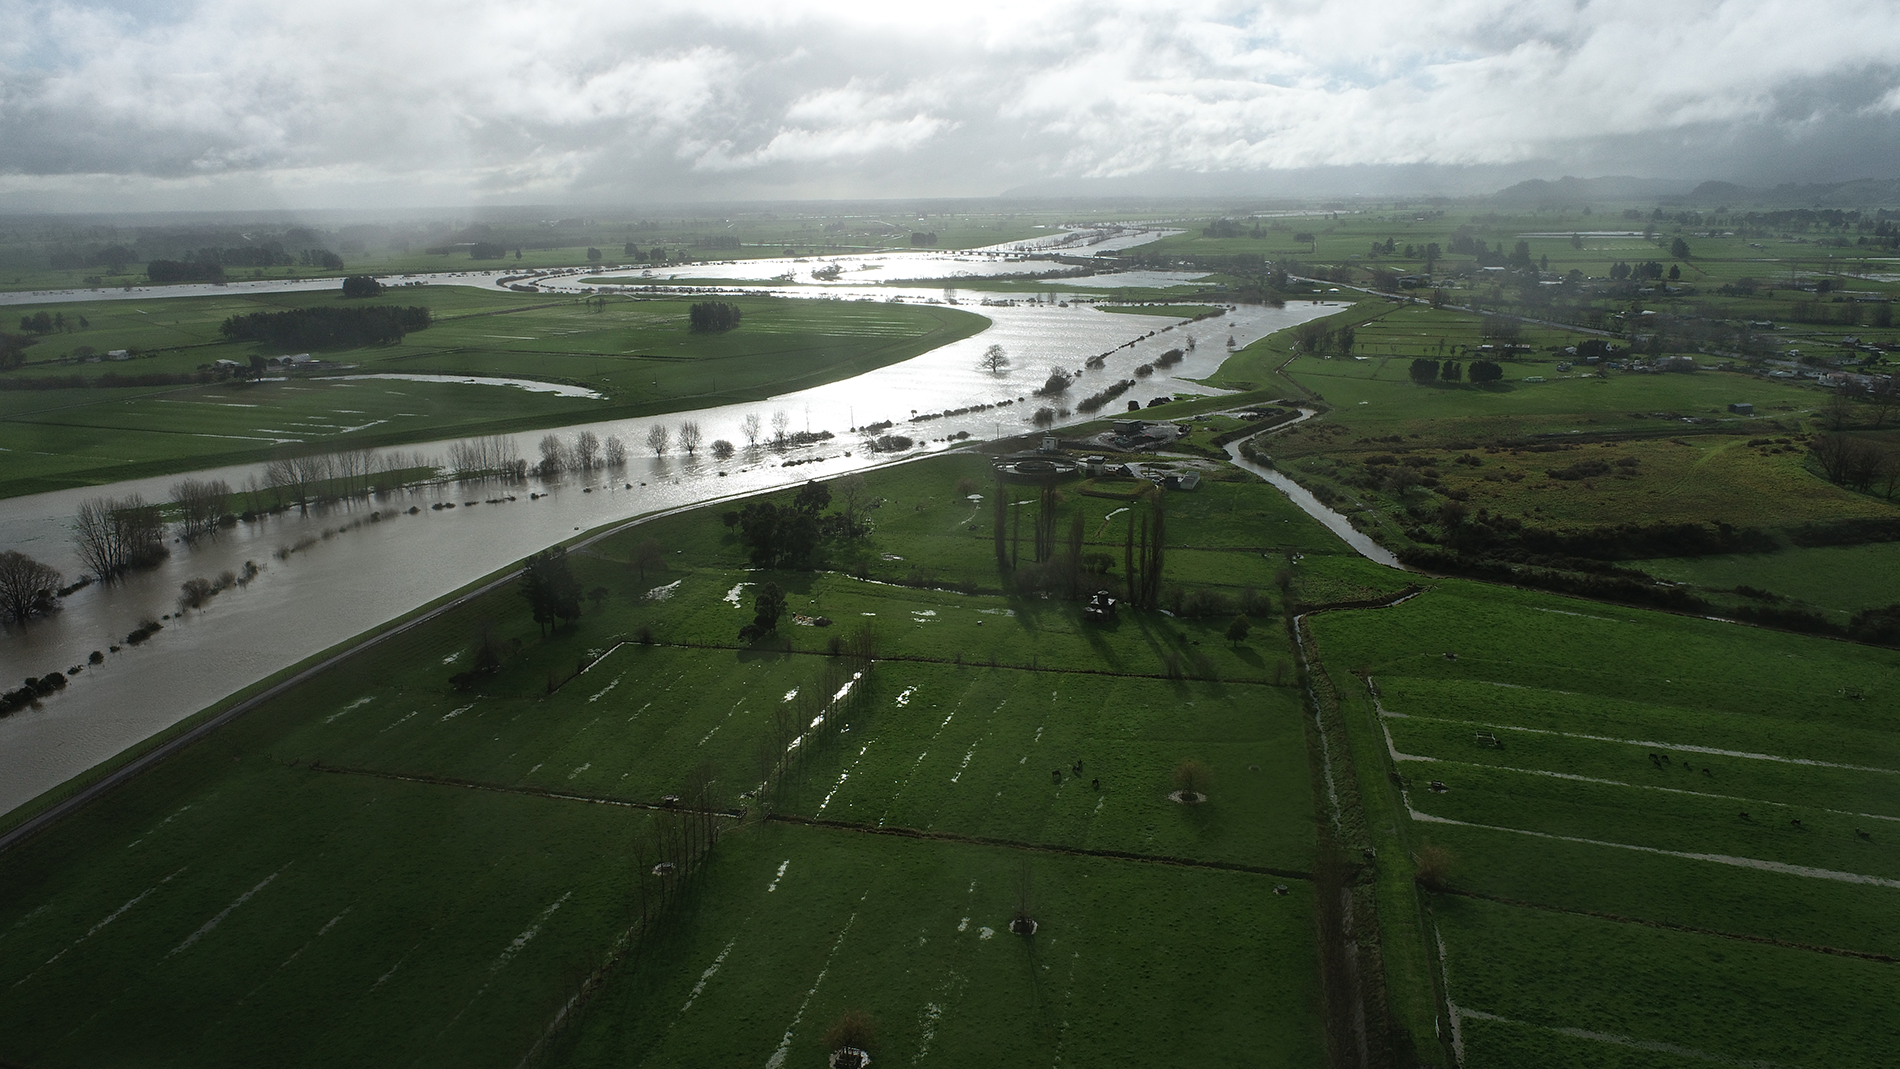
(378, 865)
(1132, 963)
(638, 354)
(1661, 789)
(1633, 989)
(1837, 580)
(229, 909)
(1697, 479)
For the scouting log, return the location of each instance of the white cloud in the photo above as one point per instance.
(546, 99)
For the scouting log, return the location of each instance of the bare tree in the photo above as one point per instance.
(616, 452)
(200, 502)
(1838, 412)
(657, 438)
(721, 449)
(750, 425)
(554, 455)
(1832, 453)
(26, 586)
(587, 451)
(116, 534)
(689, 437)
(852, 489)
(648, 554)
(1882, 396)
(780, 424)
(995, 360)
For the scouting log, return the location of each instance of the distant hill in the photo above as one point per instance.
(1859, 193)
(1568, 190)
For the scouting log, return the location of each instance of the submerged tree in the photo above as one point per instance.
(27, 587)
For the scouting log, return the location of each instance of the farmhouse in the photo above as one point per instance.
(1742, 408)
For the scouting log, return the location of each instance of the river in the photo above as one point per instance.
(364, 573)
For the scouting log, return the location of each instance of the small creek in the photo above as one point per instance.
(1301, 496)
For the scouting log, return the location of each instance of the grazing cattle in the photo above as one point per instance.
(1055, 775)
(1077, 767)
(1096, 783)
(1744, 815)
(1862, 834)
(1796, 822)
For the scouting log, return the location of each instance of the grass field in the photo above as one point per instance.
(378, 866)
(1663, 859)
(1837, 580)
(638, 355)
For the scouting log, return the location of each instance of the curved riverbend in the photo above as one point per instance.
(365, 572)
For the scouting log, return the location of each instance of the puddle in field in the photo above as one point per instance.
(965, 764)
(732, 596)
(714, 967)
(903, 698)
(357, 704)
(661, 593)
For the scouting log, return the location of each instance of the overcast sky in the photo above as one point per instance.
(341, 103)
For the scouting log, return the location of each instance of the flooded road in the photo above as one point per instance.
(353, 574)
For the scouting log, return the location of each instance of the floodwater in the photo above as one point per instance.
(855, 269)
(356, 574)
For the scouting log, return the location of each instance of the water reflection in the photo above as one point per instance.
(368, 561)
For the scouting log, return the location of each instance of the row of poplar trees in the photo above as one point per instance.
(1061, 566)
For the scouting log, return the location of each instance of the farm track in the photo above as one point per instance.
(1689, 929)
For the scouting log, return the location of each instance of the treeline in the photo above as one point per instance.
(43, 323)
(587, 452)
(328, 328)
(1062, 565)
(1861, 464)
(167, 271)
(117, 535)
(1611, 586)
(790, 536)
(1509, 538)
(306, 478)
(711, 317)
(1426, 371)
(1093, 402)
